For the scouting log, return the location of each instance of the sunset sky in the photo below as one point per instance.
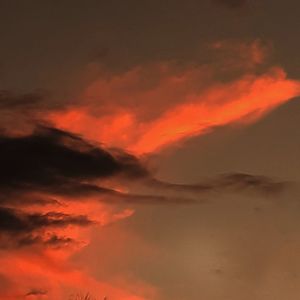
(149, 150)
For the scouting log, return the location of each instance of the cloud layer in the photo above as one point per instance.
(157, 105)
(86, 166)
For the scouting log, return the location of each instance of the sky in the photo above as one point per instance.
(149, 150)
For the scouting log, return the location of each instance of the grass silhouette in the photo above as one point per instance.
(87, 296)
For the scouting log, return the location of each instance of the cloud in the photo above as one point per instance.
(58, 171)
(14, 221)
(51, 162)
(86, 165)
(54, 160)
(239, 101)
(37, 168)
(51, 168)
(19, 228)
(154, 106)
(46, 170)
(20, 112)
(230, 182)
(52, 241)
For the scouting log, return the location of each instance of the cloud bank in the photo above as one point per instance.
(158, 105)
(84, 166)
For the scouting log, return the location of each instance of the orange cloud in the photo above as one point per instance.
(223, 104)
(51, 270)
(169, 108)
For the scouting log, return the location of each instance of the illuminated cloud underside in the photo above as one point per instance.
(243, 100)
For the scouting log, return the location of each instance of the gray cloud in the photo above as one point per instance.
(229, 182)
(50, 163)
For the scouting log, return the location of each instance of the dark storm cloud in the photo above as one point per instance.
(15, 198)
(19, 228)
(119, 198)
(12, 220)
(51, 159)
(49, 162)
(55, 162)
(54, 241)
(232, 3)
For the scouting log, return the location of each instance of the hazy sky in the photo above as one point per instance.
(149, 149)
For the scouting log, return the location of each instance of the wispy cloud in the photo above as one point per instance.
(157, 105)
(19, 228)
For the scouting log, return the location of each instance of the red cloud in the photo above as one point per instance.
(50, 272)
(151, 107)
(51, 269)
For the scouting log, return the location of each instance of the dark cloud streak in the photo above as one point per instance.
(50, 159)
(230, 182)
(12, 220)
(55, 162)
(23, 229)
(50, 163)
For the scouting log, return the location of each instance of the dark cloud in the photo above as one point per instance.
(54, 162)
(195, 188)
(10, 100)
(36, 168)
(155, 198)
(230, 182)
(12, 220)
(53, 241)
(232, 3)
(50, 163)
(241, 181)
(19, 228)
(51, 159)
